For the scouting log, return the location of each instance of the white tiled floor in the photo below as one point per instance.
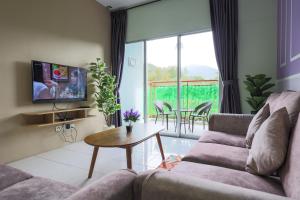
(70, 164)
(185, 130)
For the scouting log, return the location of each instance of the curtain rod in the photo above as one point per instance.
(143, 4)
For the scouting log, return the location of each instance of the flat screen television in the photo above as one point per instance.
(58, 83)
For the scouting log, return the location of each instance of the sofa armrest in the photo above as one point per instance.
(236, 124)
(172, 186)
(115, 186)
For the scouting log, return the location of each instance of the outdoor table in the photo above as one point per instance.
(183, 115)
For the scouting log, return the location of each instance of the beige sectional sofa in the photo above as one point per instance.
(213, 169)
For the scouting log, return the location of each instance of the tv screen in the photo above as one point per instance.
(58, 83)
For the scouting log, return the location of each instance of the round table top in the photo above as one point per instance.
(118, 137)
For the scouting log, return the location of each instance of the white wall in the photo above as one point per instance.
(257, 41)
(257, 30)
(47, 31)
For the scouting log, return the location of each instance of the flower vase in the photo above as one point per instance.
(129, 128)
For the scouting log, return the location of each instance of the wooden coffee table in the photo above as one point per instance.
(118, 137)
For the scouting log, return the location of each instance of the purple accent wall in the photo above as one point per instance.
(288, 38)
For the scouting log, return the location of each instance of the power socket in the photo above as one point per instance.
(69, 126)
(58, 129)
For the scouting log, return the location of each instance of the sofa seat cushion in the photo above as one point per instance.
(230, 176)
(36, 189)
(219, 155)
(223, 138)
(10, 176)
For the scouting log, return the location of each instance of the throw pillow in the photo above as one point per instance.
(270, 144)
(255, 124)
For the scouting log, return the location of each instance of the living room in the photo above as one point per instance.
(148, 99)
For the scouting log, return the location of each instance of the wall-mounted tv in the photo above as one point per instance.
(58, 83)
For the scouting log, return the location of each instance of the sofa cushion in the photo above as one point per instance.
(235, 124)
(270, 144)
(290, 172)
(36, 189)
(222, 138)
(256, 122)
(10, 176)
(290, 100)
(273, 97)
(219, 155)
(230, 176)
(115, 186)
(176, 186)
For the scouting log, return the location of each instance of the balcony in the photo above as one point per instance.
(193, 93)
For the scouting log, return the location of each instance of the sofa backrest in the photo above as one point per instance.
(288, 99)
(290, 171)
(115, 186)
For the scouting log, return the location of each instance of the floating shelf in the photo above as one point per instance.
(57, 117)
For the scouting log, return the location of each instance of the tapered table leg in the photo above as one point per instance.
(160, 146)
(167, 116)
(128, 155)
(95, 153)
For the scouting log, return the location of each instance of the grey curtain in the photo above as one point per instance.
(118, 39)
(224, 22)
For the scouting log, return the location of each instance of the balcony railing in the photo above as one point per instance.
(193, 93)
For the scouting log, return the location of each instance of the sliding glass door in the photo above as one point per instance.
(199, 82)
(162, 95)
(170, 79)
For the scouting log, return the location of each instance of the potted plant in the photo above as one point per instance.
(130, 116)
(105, 87)
(258, 87)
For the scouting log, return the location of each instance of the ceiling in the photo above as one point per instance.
(122, 4)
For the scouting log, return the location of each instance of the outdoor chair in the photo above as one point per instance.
(201, 112)
(160, 111)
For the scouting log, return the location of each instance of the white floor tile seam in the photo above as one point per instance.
(122, 161)
(77, 151)
(72, 165)
(61, 163)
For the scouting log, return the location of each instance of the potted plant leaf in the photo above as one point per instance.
(105, 87)
(259, 88)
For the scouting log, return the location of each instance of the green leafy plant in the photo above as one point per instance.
(259, 89)
(105, 87)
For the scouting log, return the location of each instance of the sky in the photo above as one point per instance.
(197, 49)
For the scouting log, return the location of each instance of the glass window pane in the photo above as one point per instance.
(162, 81)
(132, 84)
(199, 74)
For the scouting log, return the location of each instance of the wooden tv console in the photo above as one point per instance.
(57, 117)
